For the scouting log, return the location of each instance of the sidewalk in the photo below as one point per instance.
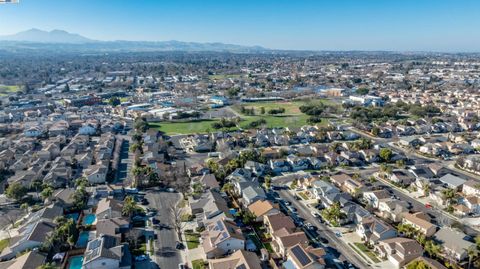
(189, 255)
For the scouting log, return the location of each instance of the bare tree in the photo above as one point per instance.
(176, 213)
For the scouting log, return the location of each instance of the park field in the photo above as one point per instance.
(292, 118)
(224, 76)
(6, 90)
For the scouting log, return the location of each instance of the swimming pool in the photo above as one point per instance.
(73, 216)
(82, 239)
(75, 262)
(89, 219)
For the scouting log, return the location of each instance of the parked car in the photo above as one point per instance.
(179, 245)
(141, 258)
(323, 240)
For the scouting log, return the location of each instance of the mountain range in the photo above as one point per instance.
(38, 39)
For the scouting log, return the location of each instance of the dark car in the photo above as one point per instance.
(145, 202)
(323, 240)
(155, 221)
(179, 245)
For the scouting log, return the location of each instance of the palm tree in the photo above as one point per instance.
(472, 254)
(129, 206)
(46, 193)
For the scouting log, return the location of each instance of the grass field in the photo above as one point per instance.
(224, 76)
(6, 90)
(189, 127)
(3, 244)
(292, 118)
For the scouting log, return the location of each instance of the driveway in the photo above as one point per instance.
(166, 255)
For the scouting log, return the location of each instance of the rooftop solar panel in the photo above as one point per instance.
(301, 256)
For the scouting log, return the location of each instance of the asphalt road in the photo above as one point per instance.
(334, 241)
(166, 255)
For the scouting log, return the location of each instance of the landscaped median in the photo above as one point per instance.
(3, 244)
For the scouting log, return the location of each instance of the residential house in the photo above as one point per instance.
(263, 208)
(96, 173)
(454, 243)
(392, 209)
(373, 198)
(278, 221)
(372, 230)
(399, 251)
(252, 194)
(471, 188)
(305, 257)
(31, 236)
(279, 165)
(401, 177)
(421, 222)
(240, 259)
(114, 227)
(106, 252)
(31, 260)
(452, 181)
(283, 239)
(222, 237)
(209, 207)
(109, 208)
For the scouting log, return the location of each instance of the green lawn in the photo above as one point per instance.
(6, 90)
(188, 127)
(292, 118)
(368, 252)
(291, 107)
(224, 76)
(269, 248)
(193, 240)
(198, 264)
(3, 244)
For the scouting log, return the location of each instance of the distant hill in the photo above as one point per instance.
(40, 36)
(35, 40)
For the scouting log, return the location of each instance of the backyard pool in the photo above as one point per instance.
(89, 219)
(83, 238)
(73, 216)
(75, 262)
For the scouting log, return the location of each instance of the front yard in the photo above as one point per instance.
(367, 252)
(193, 239)
(199, 264)
(3, 244)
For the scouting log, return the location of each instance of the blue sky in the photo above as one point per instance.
(427, 25)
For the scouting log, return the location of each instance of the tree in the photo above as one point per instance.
(24, 207)
(362, 91)
(386, 154)
(15, 191)
(418, 264)
(333, 214)
(449, 195)
(80, 197)
(472, 254)
(432, 248)
(262, 110)
(227, 187)
(248, 217)
(268, 182)
(46, 193)
(176, 214)
(114, 101)
(81, 182)
(129, 206)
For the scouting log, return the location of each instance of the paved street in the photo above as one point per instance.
(126, 162)
(334, 241)
(166, 256)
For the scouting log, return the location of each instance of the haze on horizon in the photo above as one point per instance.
(408, 25)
